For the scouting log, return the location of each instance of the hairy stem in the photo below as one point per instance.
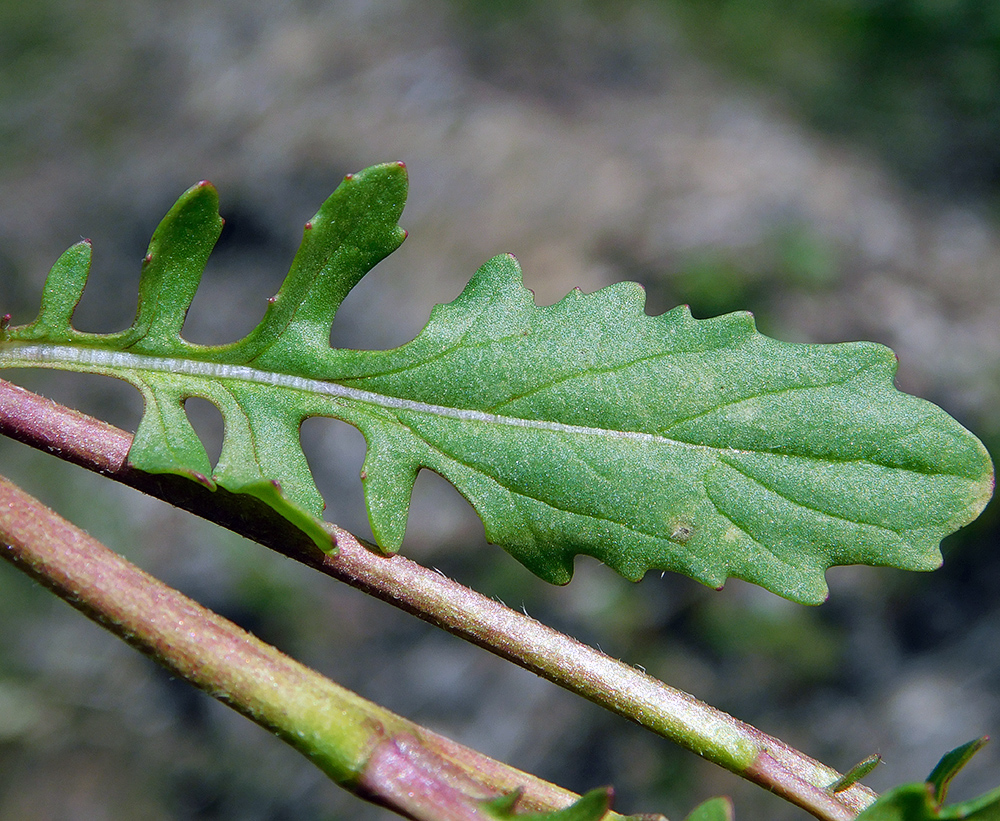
(619, 687)
(361, 746)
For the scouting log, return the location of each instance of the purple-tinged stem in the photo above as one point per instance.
(361, 746)
(619, 687)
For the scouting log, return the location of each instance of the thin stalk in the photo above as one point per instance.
(361, 746)
(619, 687)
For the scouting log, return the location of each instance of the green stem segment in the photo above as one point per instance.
(332, 726)
(360, 745)
(623, 689)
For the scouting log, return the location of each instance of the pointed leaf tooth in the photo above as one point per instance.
(165, 441)
(261, 443)
(63, 289)
(950, 765)
(272, 494)
(493, 304)
(352, 231)
(388, 484)
(172, 269)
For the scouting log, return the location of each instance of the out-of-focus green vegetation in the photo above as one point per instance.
(916, 80)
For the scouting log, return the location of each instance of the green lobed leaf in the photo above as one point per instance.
(63, 289)
(916, 802)
(950, 765)
(925, 801)
(584, 427)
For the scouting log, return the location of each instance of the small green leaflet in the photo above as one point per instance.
(915, 802)
(950, 765)
(584, 427)
(856, 773)
(925, 801)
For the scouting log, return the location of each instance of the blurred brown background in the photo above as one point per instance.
(832, 166)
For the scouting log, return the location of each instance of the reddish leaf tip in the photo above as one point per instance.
(309, 225)
(148, 258)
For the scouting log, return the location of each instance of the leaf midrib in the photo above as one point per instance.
(112, 363)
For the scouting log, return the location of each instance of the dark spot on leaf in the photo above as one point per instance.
(681, 533)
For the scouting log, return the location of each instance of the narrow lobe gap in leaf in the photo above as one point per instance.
(439, 518)
(380, 313)
(111, 296)
(335, 452)
(244, 268)
(226, 307)
(206, 419)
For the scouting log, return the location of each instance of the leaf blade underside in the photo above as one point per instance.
(583, 427)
